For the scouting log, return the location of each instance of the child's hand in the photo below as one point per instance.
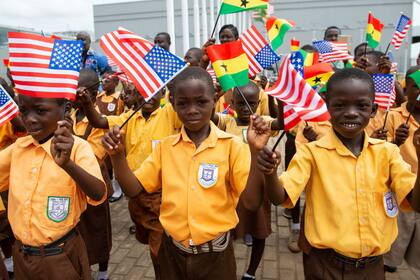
(62, 143)
(416, 141)
(268, 161)
(82, 95)
(113, 141)
(258, 133)
(362, 63)
(384, 65)
(205, 58)
(380, 134)
(401, 134)
(310, 133)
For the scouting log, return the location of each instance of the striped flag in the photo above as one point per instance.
(120, 74)
(402, 29)
(294, 91)
(149, 66)
(384, 90)
(212, 75)
(260, 54)
(332, 51)
(44, 67)
(8, 108)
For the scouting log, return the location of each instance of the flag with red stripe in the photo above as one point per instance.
(401, 30)
(149, 66)
(301, 101)
(384, 90)
(44, 67)
(8, 108)
(259, 52)
(332, 51)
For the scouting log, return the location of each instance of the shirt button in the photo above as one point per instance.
(34, 170)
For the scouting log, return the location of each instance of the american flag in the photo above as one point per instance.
(332, 51)
(120, 74)
(296, 58)
(44, 67)
(212, 75)
(384, 90)
(260, 54)
(402, 29)
(149, 66)
(8, 108)
(302, 102)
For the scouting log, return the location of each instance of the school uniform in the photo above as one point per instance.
(407, 244)
(262, 109)
(110, 104)
(45, 206)
(7, 135)
(95, 222)
(346, 222)
(321, 128)
(376, 122)
(141, 136)
(199, 199)
(256, 223)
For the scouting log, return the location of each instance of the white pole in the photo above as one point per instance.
(185, 26)
(196, 24)
(211, 4)
(245, 27)
(204, 20)
(170, 22)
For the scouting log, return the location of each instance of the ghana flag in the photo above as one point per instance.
(373, 31)
(309, 58)
(318, 74)
(416, 77)
(276, 29)
(230, 63)
(236, 6)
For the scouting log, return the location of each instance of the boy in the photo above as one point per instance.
(201, 171)
(51, 176)
(350, 217)
(95, 222)
(193, 56)
(400, 133)
(253, 226)
(163, 40)
(109, 101)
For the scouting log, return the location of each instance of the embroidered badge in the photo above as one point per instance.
(207, 175)
(244, 133)
(154, 143)
(390, 204)
(58, 208)
(111, 107)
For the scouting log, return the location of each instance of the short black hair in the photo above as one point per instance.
(193, 73)
(251, 85)
(347, 74)
(309, 48)
(232, 28)
(87, 75)
(364, 45)
(376, 54)
(411, 70)
(332, 27)
(194, 49)
(166, 34)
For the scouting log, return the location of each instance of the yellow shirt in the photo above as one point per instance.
(200, 186)
(141, 135)
(397, 117)
(115, 97)
(377, 122)
(44, 201)
(321, 128)
(7, 135)
(344, 194)
(262, 109)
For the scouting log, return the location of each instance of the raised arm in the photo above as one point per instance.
(94, 117)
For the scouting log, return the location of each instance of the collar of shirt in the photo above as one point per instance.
(209, 142)
(115, 95)
(26, 141)
(330, 142)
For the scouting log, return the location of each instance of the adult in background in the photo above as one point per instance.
(91, 59)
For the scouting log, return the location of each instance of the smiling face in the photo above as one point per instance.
(40, 115)
(194, 102)
(350, 103)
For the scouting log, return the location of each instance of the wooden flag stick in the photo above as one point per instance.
(387, 48)
(386, 118)
(278, 141)
(135, 111)
(215, 25)
(246, 101)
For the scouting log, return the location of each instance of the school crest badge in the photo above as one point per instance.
(58, 208)
(390, 204)
(207, 175)
(111, 107)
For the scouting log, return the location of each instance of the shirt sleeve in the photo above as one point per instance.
(295, 179)
(85, 158)
(150, 172)
(239, 166)
(402, 179)
(95, 141)
(391, 126)
(118, 120)
(5, 160)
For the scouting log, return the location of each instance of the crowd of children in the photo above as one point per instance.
(199, 173)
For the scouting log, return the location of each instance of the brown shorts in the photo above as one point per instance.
(144, 211)
(324, 265)
(178, 265)
(71, 264)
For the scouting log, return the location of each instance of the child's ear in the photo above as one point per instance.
(374, 110)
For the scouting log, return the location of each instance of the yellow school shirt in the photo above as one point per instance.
(397, 117)
(7, 135)
(142, 135)
(344, 195)
(200, 186)
(44, 201)
(321, 128)
(111, 98)
(377, 122)
(262, 109)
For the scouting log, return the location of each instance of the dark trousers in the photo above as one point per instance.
(178, 265)
(323, 265)
(71, 264)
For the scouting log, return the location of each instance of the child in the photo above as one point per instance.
(350, 217)
(406, 245)
(193, 56)
(257, 224)
(109, 101)
(95, 222)
(163, 40)
(201, 171)
(51, 176)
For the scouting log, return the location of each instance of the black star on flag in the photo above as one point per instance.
(317, 80)
(224, 66)
(244, 3)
